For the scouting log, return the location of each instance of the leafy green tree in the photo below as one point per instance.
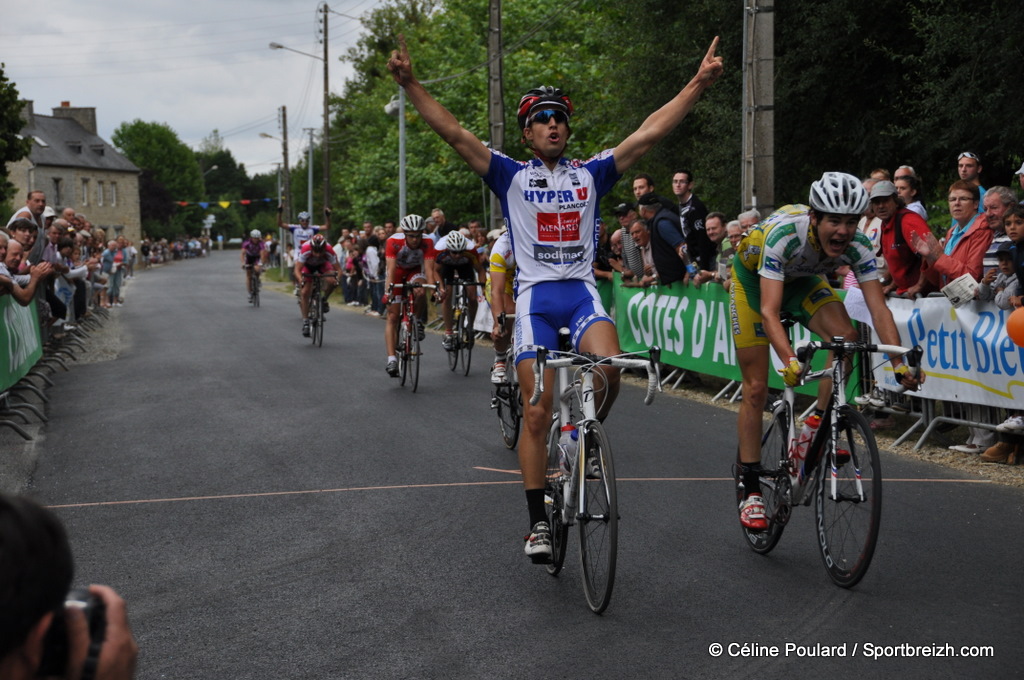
(12, 147)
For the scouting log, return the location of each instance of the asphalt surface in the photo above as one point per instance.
(273, 509)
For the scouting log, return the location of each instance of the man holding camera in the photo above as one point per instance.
(41, 635)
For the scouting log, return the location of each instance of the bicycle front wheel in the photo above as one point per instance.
(318, 320)
(465, 340)
(256, 291)
(599, 517)
(509, 413)
(414, 355)
(554, 502)
(403, 352)
(775, 488)
(848, 519)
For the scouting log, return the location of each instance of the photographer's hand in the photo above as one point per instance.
(119, 651)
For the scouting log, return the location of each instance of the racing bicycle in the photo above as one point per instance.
(841, 473)
(584, 494)
(408, 347)
(505, 398)
(316, 307)
(463, 335)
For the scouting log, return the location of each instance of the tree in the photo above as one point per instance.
(157, 148)
(12, 146)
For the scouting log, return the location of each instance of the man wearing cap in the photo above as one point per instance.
(968, 166)
(668, 246)
(898, 227)
(625, 213)
(551, 206)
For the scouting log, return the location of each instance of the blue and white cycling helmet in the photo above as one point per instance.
(838, 193)
(303, 216)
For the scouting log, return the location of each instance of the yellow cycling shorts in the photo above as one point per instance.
(802, 298)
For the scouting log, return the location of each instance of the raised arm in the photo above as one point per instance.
(665, 119)
(440, 119)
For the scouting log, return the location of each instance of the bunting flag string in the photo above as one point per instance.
(224, 204)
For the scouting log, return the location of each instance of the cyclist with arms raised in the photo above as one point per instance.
(551, 207)
(315, 257)
(780, 266)
(254, 255)
(456, 256)
(410, 259)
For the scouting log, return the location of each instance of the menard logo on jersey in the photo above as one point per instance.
(558, 227)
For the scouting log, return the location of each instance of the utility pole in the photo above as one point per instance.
(758, 171)
(287, 202)
(309, 181)
(495, 92)
(327, 125)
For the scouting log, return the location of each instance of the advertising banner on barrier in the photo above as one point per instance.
(968, 357)
(20, 343)
(691, 325)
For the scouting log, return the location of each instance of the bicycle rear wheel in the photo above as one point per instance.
(775, 487)
(599, 521)
(465, 334)
(848, 522)
(555, 502)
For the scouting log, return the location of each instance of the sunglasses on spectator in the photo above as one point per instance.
(543, 117)
(968, 154)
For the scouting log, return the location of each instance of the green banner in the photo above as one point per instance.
(20, 343)
(691, 325)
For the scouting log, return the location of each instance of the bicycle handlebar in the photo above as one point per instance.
(806, 349)
(651, 364)
(407, 286)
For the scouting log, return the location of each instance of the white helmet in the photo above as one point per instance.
(456, 242)
(255, 233)
(412, 223)
(303, 216)
(839, 194)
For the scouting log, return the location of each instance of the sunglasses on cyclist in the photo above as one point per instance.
(968, 154)
(543, 117)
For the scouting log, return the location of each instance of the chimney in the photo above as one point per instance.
(86, 116)
(27, 113)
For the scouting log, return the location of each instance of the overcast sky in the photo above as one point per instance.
(197, 66)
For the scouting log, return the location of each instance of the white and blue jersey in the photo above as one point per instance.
(552, 225)
(552, 214)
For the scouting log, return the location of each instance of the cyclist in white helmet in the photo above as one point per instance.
(254, 256)
(551, 206)
(782, 265)
(410, 259)
(456, 256)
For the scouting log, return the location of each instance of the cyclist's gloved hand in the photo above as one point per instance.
(385, 299)
(791, 373)
(908, 378)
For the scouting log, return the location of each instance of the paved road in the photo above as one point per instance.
(270, 509)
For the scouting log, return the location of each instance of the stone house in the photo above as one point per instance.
(76, 168)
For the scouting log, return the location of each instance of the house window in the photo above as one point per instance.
(58, 196)
(85, 192)
(99, 193)
(113, 193)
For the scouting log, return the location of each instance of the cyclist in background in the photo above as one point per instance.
(254, 256)
(410, 259)
(456, 256)
(780, 266)
(503, 271)
(302, 232)
(551, 207)
(315, 257)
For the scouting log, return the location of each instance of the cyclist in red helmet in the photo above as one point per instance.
(315, 257)
(551, 205)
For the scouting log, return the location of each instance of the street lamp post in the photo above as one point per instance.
(396, 107)
(327, 129)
